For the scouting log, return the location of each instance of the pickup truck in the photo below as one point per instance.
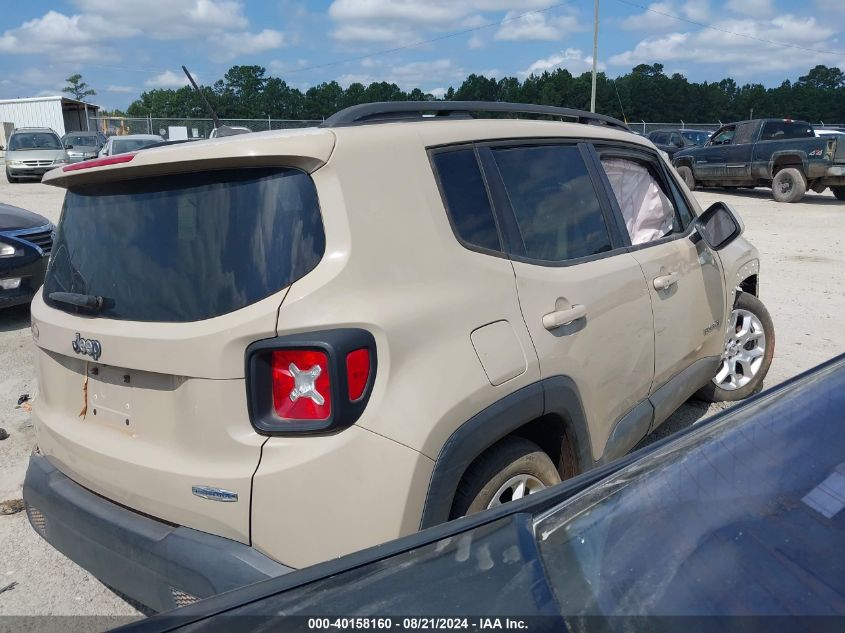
(782, 154)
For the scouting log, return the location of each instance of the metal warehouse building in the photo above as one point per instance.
(60, 113)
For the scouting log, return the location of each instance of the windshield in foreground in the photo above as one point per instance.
(34, 140)
(746, 520)
(186, 247)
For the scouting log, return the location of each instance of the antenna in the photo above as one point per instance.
(205, 100)
(219, 129)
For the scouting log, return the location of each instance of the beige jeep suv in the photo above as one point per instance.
(264, 351)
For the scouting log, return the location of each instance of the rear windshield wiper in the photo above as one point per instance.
(89, 302)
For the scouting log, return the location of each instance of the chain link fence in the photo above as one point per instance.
(201, 128)
(172, 129)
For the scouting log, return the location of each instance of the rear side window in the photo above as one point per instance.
(777, 130)
(186, 247)
(556, 207)
(465, 197)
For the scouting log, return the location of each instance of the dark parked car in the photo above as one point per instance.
(670, 141)
(741, 515)
(25, 242)
(783, 154)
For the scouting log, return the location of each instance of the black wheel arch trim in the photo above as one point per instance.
(555, 396)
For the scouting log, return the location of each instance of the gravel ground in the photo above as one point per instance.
(802, 283)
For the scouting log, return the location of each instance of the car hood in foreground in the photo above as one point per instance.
(741, 516)
(15, 218)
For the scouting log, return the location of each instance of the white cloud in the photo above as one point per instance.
(70, 37)
(403, 20)
(371, 33)
(572, 59)
(408, 76)
(169, 79)
(737, 55)
(476, 41)
(123, 89)
(231, 45)
(170, 19)
(536, 26)
(437, 93)
(659, 16)
(91, 34)
(754, 8)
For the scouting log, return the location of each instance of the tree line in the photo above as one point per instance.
(646, 93)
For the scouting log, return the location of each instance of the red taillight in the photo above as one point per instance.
(301, 384)
(357, 372)
(99, 162)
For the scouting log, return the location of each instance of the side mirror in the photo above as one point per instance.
(719, 225)
(68, 146)
(2, 148)
(678, 143)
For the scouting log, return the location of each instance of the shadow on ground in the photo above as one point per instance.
(14, 318)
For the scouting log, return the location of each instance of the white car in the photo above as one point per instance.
(129, 143)
(829, 132)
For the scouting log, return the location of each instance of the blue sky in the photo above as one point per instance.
(123, 47)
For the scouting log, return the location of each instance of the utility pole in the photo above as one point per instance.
(595, 55)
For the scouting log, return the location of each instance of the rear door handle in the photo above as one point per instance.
(554, 320)
(665, 281)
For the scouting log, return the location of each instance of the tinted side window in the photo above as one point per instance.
(744, 133)
(554, 201)
(777, 130)
(466, 198)
(724, 137)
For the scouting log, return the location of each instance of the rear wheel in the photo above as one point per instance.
(749, 349)
(510, 470)
(686, 173)
(839, 192)
(789, 185)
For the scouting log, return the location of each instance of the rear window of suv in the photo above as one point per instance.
(186, 247)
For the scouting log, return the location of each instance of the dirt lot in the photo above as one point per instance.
(802, 283)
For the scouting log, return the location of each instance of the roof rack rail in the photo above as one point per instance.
(390, 111)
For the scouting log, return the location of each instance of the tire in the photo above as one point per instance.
(727, 385)
(839, 192)
(484, 483)
(10, 178)
(789, 185)
(686, 173)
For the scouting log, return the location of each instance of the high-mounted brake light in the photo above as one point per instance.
(99, 162)
(301, 385)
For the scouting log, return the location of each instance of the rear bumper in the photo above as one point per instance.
(158, 564)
